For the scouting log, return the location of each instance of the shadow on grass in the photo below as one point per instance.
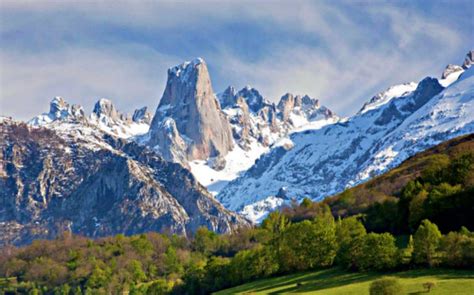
(336, 277)
(325, 279)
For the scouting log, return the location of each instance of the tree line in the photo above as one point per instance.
(397, 234)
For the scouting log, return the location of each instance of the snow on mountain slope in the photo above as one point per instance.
(63, 117)
(387, 95)
(257, 126)
(326, 161)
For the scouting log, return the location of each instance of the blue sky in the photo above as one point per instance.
(342, 52)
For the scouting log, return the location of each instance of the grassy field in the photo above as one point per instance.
(335, 281)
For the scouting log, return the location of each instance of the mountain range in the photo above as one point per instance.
(110, 172)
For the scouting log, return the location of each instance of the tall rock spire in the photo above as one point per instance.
(190, 102)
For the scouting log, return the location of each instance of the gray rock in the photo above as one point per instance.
(190, 101)
(450, 69)
(252, 97)
(228, 97)
(142, 116)
(52, 182)
(469, 60)
(104, 108)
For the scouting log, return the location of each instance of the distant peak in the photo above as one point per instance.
(469, 60)
(58, 104)
(141, 116)
(105, 107)
(450, 69)
(59, 110)
(183, 69)
(228, 97)
(253, 98)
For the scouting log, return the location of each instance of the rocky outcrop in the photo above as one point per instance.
(252, 97)
(451, 69)
(95, 186)
(190, 101)
(59, 110)
(402, 121)
(228, 97)
(142, 116)
(302, 106)
(469, 60)
(105, 112)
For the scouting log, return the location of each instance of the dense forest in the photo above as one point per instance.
(417, 215)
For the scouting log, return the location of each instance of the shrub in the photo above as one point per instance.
(429, 285)
(386, 286)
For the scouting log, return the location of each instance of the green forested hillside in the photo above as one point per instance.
(417, 216)
(437, 184)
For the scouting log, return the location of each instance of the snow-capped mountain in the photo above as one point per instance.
(255, 154)
(104, 117)
(67, 171)
(220, 136)
(390, 127)
(188, 123)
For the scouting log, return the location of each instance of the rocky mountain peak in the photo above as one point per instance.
(105, 108)
(469, 60)
(141, 116)
(309, 101)
(188, 70)
(451, 69)
(190, 101)
(59, 110)
(57, 106)
(286, 105)
(228, 97)
(253, 98)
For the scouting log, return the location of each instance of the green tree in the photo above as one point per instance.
(275, 225)
(350, 234)
(310, 244)
(306, 203)
(136, 269)
(378, 252)
(205, 241)
(416, 208)
(216, 274)
(426, 242)
(457, 249)
(172, 263)
(98, 278)
(406, 254)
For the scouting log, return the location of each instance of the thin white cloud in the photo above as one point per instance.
(342, 69)
(81, 75)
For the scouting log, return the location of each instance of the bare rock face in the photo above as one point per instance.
(252, 97)
(286, 105)
(302, 106)
(450, 69)
(141, 116)
(469, 60)
(190, 101)
(105, 111)
(95, 186)
(228, 97)
(59, 110)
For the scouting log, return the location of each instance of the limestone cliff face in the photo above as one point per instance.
(190, 102)
(95, 186)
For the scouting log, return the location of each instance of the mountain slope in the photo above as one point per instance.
(74, 176)
(190, 114)
(322, 162)
(383, 187)
(220, 136)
